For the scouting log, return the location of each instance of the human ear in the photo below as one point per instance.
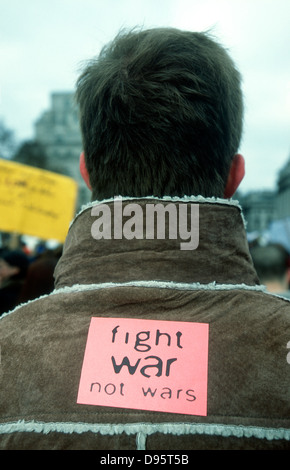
(236, 175)
(84, 171)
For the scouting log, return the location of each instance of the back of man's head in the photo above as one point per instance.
(161, 114)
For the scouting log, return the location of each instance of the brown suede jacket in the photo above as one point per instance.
(43, 342)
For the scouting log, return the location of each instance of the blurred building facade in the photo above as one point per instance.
(283, 193)
(57, 129)
(268, 210)
(259, 208)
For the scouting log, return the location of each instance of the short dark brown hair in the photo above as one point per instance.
(161, 114)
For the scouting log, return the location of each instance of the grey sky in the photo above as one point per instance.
(44, 42)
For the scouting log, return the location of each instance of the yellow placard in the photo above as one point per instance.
(35, 202)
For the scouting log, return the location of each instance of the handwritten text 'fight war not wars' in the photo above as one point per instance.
(147, 366)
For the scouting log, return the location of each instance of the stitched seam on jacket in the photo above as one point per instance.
(146, 284)
(159, 285)
(150, 284)
(173, 199)
(186, 199)
(142, 430)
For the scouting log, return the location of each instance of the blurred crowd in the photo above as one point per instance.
(272, 264)
(26, 275)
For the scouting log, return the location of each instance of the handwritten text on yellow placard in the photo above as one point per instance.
(35, 202)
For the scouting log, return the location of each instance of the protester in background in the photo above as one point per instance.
(13, 269)
(39, 279)
(272, 265)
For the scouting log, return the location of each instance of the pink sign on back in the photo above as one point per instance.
(146, 365)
